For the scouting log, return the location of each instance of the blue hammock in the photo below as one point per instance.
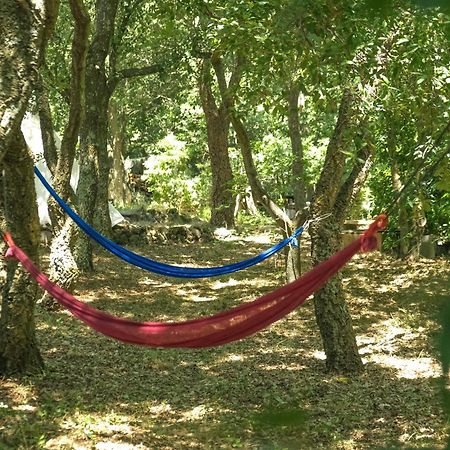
(155, 266)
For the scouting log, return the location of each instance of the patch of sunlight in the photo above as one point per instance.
(24, 408)
(147, 281)
(86, 297)
(198, 298)
(284, 367)
(45, 326)
(233, 357)
(109, 445)
(162, 408)
(230, 358)
(318, 354)
(216, 285)
(196, 413)
(258, 239)
(403, 280)
(60, 442)
(417, 434)
(111, 424)
(409, 368)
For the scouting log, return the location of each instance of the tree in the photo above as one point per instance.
(63, 268)
(25, 30)
(102, 78)
(217, 118)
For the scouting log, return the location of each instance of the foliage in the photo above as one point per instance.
(173, 178)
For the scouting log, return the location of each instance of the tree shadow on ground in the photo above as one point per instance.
(97, 393)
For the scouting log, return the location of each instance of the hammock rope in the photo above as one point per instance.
(158, 267)
(224, 327)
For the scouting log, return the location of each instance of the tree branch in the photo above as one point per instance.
(134, 72)
(334, 164)
(354, 182)
(258, 192)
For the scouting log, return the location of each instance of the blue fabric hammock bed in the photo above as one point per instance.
(158, 267)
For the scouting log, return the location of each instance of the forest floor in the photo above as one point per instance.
(100, 394)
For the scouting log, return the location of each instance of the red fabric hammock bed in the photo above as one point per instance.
(219, 329)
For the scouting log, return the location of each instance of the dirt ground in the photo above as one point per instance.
(100, 394)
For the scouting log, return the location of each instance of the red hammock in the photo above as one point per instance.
(218, 329)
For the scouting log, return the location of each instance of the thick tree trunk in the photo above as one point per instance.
(25, 28)
(19, 352)
(332, 314)
(87, 194)
(94, 163)
(217, 128)
(118, 188)
(22, 28)
(63, 269)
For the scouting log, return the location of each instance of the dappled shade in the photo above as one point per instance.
(227, 326)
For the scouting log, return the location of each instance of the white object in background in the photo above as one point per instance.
(31, 130)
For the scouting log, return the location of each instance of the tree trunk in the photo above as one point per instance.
(217, 127)
(63, 269)
(118, 188)
(19, 352)
(298, 164)
(332, 314)
(293, 257)
(25, 29)
(94, 163)
(403, 226)
(22, 28)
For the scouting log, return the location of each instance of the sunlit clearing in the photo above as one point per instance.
(409, 368)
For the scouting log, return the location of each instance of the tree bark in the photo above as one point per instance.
(94, 162)
(293, 254)
(217, 127)
(118, 189)
(298, 164)
(332, 314)
(25, 29)
(19, 351)
(63, 269)
(403, 226)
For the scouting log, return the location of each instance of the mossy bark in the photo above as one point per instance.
(25, 28)
(217, 128)
(94, 162)
(19, 352)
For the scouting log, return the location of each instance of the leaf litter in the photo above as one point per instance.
(269, 391)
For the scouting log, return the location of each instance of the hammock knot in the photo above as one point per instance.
(369, 240)
(8, 239)
(9, 253)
